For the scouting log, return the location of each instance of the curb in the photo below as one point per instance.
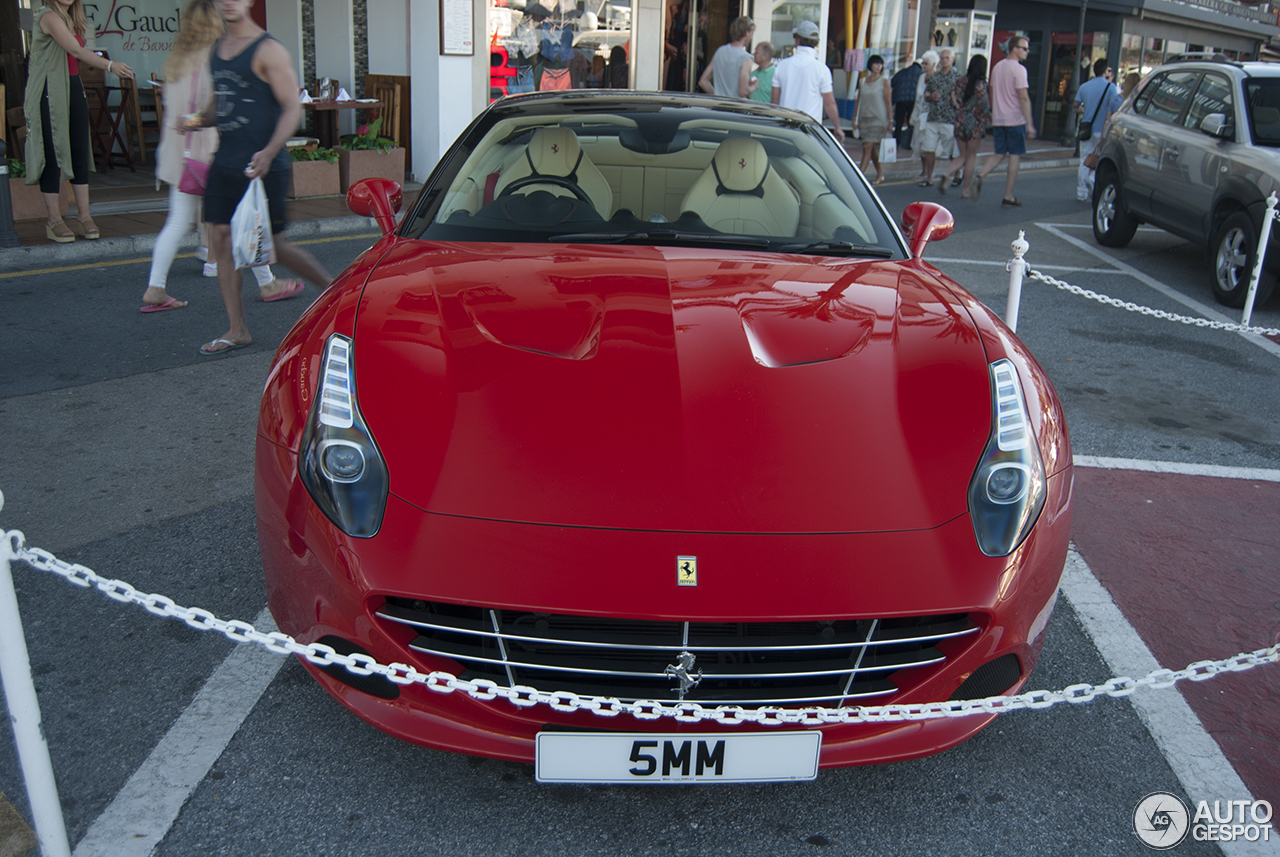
(21, 259)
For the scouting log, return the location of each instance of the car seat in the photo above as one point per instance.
(555, 153)
(741, 193)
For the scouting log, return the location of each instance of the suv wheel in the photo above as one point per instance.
(1235, 251)
(1113, 226)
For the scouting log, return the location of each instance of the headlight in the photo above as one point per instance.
(1007, 490)
(339, 462)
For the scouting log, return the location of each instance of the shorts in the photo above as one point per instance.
(938, 137)
(227, 186)
(1010, 139)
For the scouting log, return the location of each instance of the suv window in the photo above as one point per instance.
(1262, 94)
(1212, 96)
(1172, 95)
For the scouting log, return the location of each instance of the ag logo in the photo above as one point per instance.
(1161, 820)
(686, 571)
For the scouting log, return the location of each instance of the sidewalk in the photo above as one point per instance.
(130, 211)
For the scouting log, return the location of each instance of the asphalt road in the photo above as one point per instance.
(128, 452)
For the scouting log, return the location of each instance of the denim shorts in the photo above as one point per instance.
(1010, 139)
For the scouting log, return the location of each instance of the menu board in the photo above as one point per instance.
(457, 34)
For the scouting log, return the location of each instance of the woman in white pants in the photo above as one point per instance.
(187, 83)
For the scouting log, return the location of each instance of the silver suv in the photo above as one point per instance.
(1196, 150)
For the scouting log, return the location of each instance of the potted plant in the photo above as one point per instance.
(27, 201)
(314, 173)
(365, 155)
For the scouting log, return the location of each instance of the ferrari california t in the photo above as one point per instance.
(647, 397)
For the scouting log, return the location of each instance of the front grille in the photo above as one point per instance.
(743, 663)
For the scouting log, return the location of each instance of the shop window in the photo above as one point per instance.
(559, 44)
(1130, 56)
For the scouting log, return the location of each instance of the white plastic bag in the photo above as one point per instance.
(888, 150)
(251, 242)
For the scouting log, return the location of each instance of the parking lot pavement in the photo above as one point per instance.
(132, 455)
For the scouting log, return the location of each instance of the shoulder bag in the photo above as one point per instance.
(1086, 125)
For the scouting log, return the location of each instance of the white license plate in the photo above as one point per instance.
(647, 757)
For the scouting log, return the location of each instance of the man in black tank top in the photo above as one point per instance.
(256, 110)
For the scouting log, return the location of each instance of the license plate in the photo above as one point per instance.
(646, 757)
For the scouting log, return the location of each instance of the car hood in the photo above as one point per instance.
(671, 388)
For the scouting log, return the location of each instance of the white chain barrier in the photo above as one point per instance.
(1017, 266)
(565, 701)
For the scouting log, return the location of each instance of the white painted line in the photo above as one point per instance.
(989, 263)
(1168, 291)
(144, 810)
(1090, 226)
(1193, 755)
(1252, 474)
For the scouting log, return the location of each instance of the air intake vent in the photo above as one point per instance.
(374, 685)
(991, 679)
(743, 663)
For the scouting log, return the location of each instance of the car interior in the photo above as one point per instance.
(545, 175)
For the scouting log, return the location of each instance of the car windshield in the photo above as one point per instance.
(1262, 94)
(652, 170)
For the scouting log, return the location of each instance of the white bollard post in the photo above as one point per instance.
(1257, 262)
(1016, 268)
(24, 712)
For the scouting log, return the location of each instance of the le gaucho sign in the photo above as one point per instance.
(137, 32)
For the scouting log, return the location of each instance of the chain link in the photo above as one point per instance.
(1155, 313)
(684, 712)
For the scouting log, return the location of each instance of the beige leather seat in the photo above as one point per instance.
(555, 153)
(740, 192)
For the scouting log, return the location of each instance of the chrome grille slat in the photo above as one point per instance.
(748, 663)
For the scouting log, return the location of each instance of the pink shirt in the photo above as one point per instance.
(1007, 78)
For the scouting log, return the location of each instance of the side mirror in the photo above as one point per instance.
(923, 222)
(376, 198)
(1216, 125)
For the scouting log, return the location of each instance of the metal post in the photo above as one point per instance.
(24, 712)
(8, 238)
(1257, 262)
(1016, 268)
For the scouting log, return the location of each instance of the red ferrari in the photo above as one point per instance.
(648, 398)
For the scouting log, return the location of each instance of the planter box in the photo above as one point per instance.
(28, 202)
(357, 164)
(313, 178)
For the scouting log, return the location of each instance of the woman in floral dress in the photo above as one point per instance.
(973, 115)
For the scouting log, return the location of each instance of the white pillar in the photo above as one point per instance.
(335, 51)
(648, 43)
(447, 91)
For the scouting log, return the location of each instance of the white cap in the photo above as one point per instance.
(805, 30)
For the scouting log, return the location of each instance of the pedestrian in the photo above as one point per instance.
(760, 79)
(920, 113)
(58, 113)
(723, 76)
(871, 116)
(973, 114)
(187, 85)
(939, 130)
(1010, 114)
(803, 82)
(1093, 105)
(904, 102)
(256, 110)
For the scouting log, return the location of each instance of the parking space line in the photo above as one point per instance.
(1090, 226)
(1220, 471)
(988, 262)
(1191, 752)
(1168, 291)
(145, 808)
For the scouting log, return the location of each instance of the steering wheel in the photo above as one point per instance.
(556, 181)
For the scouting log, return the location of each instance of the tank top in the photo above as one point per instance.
(73, 64)
(247, 110)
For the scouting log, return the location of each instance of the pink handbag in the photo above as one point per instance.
(195, 174)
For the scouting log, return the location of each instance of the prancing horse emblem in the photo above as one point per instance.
(681, 671)
(742, 163)
(686, 571)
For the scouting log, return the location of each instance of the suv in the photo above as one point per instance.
(1196, 150)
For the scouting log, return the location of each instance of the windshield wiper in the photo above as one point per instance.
(662, 236)
(840, 248)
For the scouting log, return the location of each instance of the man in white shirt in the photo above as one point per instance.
(802, 82)
(724, 71)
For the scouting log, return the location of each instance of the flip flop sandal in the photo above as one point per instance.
(172, 303)
(292, 288)
(957, 181)
(230, 346)
(924, 183)
(1013, 201)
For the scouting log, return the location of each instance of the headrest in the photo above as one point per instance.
(554, 151)
(741, 163)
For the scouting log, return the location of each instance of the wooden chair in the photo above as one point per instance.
(138, 125)
(400, 133)
(105, 118)
(389, 95)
